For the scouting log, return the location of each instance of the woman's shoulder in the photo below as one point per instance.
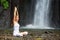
(16, 23)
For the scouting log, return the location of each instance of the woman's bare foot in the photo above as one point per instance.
(24, 33)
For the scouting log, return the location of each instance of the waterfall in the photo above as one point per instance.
(41, 17)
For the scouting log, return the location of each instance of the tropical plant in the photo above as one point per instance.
(5, 4)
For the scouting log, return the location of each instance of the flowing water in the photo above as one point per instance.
(41, 17)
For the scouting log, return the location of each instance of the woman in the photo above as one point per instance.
(16, 24)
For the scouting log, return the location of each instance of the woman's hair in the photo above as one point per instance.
(12, 15)
(15, 16)
(13, 5)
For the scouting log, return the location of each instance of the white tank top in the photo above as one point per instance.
(16, 28)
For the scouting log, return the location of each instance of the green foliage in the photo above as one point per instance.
(3, 1)
(5, 4)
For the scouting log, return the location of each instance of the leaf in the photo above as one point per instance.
(3, 1)
(6, 5)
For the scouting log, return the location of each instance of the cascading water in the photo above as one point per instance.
(41, 18)
(41, 14)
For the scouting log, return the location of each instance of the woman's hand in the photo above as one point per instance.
(15, 11)
(15, 8)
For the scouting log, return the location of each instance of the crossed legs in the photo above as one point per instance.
(20, 33)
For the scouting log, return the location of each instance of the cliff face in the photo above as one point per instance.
(54, 13)
(4, 17)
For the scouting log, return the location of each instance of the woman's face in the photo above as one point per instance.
(17, 18)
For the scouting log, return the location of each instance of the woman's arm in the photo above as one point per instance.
(16, 15)
(15, 11)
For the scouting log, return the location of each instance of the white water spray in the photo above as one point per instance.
(41, 18)
(41, 13)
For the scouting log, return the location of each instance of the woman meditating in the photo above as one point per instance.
(16, 24)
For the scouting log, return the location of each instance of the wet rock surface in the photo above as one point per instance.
(33, 35)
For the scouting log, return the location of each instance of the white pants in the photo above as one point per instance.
(20, 34)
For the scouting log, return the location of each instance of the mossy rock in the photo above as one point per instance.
(38, 38)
